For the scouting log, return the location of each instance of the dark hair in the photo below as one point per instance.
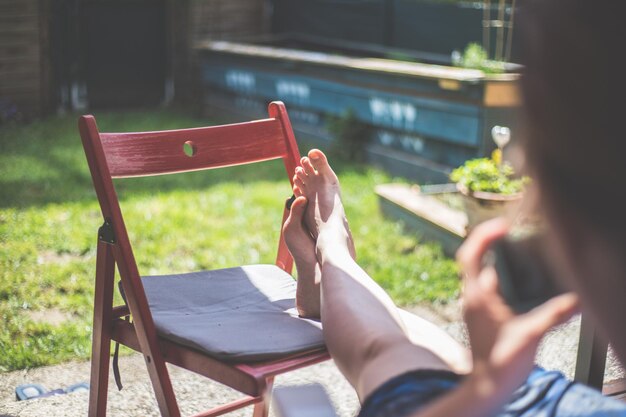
(573, 87)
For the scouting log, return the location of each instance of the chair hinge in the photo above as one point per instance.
(105, 233)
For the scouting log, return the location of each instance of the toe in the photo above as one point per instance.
(319, 161)
(306, 165)
(298, 207)
(293, 225)
(301, 175)
(297, 182)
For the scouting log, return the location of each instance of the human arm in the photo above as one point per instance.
(503, 344)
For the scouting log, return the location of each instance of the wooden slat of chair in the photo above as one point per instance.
(102, 317)
(124, 259)
(248, 378)
(125, 150)
(591, 355)
(118, 155)
(616, 389)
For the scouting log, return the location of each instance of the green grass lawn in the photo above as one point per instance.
(49, 216)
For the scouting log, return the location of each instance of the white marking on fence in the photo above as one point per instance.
(240, 80)
(294, 90)
(396, 113)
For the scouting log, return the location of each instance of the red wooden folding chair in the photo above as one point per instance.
(236, 325)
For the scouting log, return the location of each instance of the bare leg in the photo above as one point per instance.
(364, 331)
(302, 248)
(308, 293)
(304, 179)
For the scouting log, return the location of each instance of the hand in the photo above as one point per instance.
(503, 344)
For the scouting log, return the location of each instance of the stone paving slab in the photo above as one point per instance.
(195, 393)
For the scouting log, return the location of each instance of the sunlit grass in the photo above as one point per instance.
(49, 217)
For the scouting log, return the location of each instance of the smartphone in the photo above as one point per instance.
(525, 278)
(302, 401)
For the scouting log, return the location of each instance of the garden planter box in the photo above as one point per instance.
(425, 119)
(481, 206)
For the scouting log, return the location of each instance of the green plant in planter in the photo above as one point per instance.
(490, 175)
(475, 57)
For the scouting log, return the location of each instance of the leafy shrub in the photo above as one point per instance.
(487, 175)
(350, 134)
(475, 57)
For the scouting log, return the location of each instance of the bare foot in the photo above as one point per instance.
(302, 248)
(318, 183)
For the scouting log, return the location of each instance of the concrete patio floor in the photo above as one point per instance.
(195, 393)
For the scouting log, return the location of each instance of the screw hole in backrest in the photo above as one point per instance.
(189, 148)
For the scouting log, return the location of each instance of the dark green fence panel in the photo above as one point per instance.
(419, 25)
(433, 27)
(353, 20)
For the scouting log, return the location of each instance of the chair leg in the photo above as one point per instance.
(262, 409)
(101, 342)
(591, 357)
(99, 382)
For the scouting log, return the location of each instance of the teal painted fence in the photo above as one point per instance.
(412, 115)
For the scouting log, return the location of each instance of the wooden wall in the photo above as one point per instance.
(227, 19)
(27, 77)
(24, 68)
(216, 20)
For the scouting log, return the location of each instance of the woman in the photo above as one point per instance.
(401, 365)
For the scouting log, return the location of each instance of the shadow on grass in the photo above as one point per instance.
(44, 163)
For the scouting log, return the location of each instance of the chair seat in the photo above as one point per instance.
(235, 314)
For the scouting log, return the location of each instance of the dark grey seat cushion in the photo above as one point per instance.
(235, 314)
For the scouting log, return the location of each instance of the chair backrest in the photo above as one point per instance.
(174, 151)
(117, 155)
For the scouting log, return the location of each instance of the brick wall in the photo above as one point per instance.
(227, 19)
(26, 79)
(23, 43)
